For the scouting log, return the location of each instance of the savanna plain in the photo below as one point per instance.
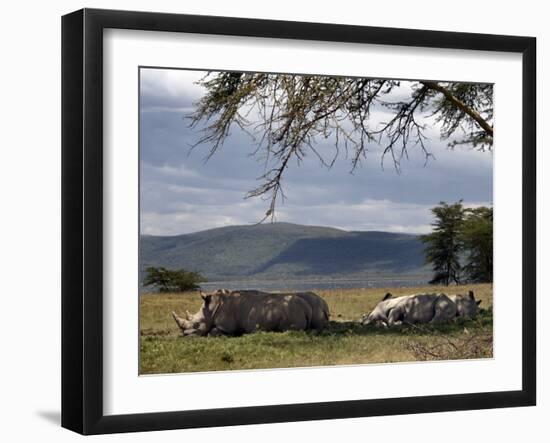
(345, 342)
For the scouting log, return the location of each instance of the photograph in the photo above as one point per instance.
(303, 220)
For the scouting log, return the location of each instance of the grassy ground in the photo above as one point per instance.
(163, 350)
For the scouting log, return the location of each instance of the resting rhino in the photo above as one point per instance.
(422, 308)
(238, 312)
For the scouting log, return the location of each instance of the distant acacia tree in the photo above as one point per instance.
(461, 244)
(286, 115)
(477, 242)
(444, 244)
(166, 280)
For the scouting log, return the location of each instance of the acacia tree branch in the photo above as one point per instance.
(461, 105)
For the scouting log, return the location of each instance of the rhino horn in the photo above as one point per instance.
(187, 315)
(471, 295)
(388, 295)
(180, 321)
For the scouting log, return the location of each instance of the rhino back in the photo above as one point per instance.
(419, 308)
(248, 311)
(425, 308)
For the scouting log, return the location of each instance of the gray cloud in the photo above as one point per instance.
(180, 192)
(169, 89)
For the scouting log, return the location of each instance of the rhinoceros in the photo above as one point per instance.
(238, 312)
(421, 308)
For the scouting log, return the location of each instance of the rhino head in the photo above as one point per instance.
(202, 322)
(466, 305)
(378, 315)
(190, 324)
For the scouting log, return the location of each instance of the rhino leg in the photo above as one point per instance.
(395, 317)
(215, 332)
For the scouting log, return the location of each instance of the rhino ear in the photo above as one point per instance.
(471, 295)
(388, 295)
(478, 302)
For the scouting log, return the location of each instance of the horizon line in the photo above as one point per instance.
(281, 223)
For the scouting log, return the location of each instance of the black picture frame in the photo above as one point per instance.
(82, 218)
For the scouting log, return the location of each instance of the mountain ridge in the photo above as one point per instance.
(283, 250)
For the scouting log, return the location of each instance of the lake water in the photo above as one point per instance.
(309, 285)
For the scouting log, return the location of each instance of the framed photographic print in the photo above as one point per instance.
(269, 221)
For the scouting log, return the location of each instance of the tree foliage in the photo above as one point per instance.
(287, 114)
(460, 247)
(443, 246)
(166, 280)
(477, 242)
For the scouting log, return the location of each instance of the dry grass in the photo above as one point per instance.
(163, 350)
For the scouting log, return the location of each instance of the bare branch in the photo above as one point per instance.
(287, 115)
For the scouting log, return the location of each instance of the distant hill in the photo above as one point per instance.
(275, 250)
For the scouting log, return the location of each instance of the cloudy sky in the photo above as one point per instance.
(181, 193)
